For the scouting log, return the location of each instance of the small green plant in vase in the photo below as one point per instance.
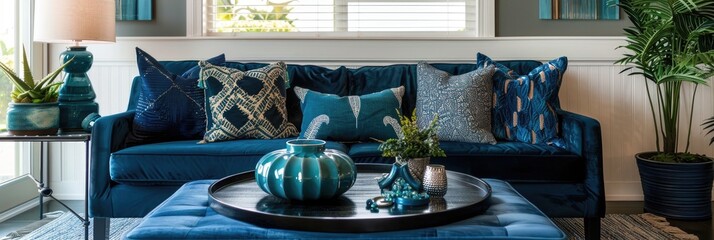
(413, 142)
(412, 151)
(33, 109)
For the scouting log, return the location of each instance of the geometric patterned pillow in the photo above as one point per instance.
(462, 103)
(524, 105)
(170, 107)
(350, 118)
(248, 104)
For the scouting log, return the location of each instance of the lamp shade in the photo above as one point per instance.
(74, 20)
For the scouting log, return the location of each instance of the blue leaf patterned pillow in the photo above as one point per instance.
(170, 107)
(350, 118)
(524, 106)
(248, 104)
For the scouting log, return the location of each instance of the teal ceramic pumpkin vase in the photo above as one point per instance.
(305, 171)
(33, 118)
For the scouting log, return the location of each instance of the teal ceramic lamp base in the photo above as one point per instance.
(76, 96)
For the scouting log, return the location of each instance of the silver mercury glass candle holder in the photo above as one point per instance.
(435, 183)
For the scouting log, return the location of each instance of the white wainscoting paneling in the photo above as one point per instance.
(592, 86)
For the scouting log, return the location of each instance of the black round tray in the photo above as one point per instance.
(239, 197)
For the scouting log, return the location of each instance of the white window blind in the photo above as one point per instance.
(388, 18)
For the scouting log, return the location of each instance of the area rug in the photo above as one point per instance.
(626, 226)
(68, 227)
(614, 226)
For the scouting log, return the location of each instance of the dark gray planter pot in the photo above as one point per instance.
(676, 190)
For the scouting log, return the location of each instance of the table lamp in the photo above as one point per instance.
(75, 21)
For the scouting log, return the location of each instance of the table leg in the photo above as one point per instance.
(86, 190)
(42, 174)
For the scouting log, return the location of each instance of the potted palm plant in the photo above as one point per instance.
(671, 44)
(34, 109)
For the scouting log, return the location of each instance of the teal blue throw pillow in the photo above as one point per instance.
(248, 104)
(524, 106)
(350, 118)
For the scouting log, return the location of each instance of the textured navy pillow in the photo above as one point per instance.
(350, 118)
(462, 102)
(170, 107)
(248, 104)
(524, 105)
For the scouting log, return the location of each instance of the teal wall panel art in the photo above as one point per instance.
(579, 9)
(130, 10)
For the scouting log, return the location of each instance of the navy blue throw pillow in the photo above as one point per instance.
(170, 107)
(524, 106)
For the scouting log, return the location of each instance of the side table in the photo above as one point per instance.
(46, 191)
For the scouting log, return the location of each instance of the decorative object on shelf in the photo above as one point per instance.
(75, 21)
(401, 185)
(305, 170)
(676, 184)
(130, 10)
(579, 9)
(435, 182)
(34, 109)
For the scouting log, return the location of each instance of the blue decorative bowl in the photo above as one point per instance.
(305, 171)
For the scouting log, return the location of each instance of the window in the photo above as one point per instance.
(389, 18)
(16, 159)
(8, 40)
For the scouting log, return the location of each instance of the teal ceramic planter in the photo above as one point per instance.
(305, 171)
(33, 118)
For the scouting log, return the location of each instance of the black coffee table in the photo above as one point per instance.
(239, 197)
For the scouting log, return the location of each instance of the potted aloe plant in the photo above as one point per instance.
(34, 109)
(671, 44)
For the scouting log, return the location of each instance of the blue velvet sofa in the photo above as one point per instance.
(131, 181)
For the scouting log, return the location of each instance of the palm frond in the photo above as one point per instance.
(709, 124)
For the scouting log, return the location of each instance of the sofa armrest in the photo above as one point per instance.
(108, 136)
(582, 136)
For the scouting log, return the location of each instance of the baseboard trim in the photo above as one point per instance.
(10, 213)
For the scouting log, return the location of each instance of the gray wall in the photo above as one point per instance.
(513, 18)
(520, 18)
(169, 20)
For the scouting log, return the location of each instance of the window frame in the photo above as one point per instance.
(484, 28)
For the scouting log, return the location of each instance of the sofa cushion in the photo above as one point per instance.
(248, 104)
(512, 161)
(462, 103)
(316, 78)
(170, 107)
(350, 118)
(524, 105)
(174, 163)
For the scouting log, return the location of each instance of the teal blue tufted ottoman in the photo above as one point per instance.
(186, 215)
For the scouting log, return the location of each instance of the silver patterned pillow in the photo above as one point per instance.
(463, 103)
